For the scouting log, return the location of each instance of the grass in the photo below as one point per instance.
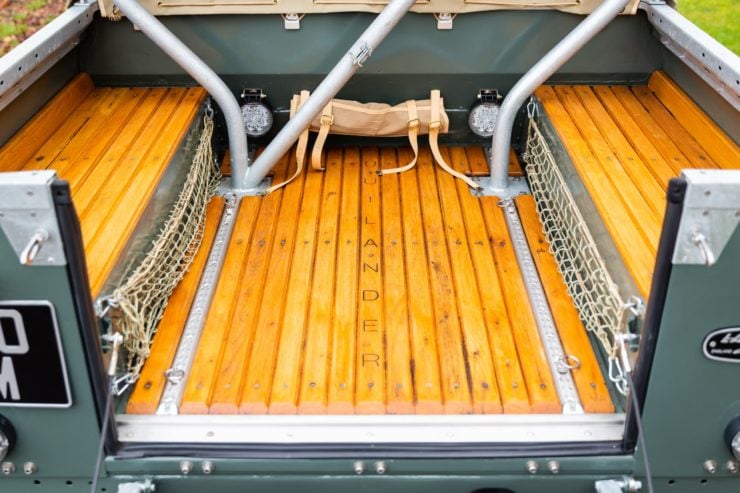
(719, 18)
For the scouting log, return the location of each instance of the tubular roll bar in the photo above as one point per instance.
(538, 74)
(203, 74)
(327, 89)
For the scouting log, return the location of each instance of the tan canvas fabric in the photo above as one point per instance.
(186, 7)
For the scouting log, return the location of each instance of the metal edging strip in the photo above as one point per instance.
(556, 356)
(178, 373)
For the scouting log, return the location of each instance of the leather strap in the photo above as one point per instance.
(300, 149)
(434, 125)
(413, 139)
(327, 120)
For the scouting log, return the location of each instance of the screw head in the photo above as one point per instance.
(358, 467)
(553, 466)
(7, 468)
(531, 467)
(710, 466)
(380, 467)
(731, 466)
(186, 467)
(207, 467)
(29, 468)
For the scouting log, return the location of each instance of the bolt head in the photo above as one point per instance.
(207, 467)
(358, 467)
(710, 466)
(380, 467)
(731, 466)
(553, 466)
(186, 467)
(531, 467)
(7, 468)
(29, 468)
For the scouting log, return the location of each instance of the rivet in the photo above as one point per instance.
(186, 467)
(380, 467)
(7, 468)
(29, 468)
(731, 466)
(358, 467)
(207, 467)
(531, 467)
(553, 466)
(710, 466)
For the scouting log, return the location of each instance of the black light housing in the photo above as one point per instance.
(484, 113)
(256, 112)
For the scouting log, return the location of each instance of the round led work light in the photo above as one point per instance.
(484, 113)
(256, 113)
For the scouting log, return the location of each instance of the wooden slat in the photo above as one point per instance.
(588, 378)
(449, 337)
(540, 386)
(482, 378)
(341, 390)
(713, 140)
(652, 192)
(32, 136)
(228, 384)
(644, 220)
(261, 358)
(697, 157)
(399, 384)
(479, 166)
(121, 221)
(371, 357)
(148, 391)
(425, 361)
(503, 348)
(206, 363)
(303, 305)
(636, 136)
(312, 386)
(635, 251)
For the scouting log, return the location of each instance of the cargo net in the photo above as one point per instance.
(595, 295)
(143, 295)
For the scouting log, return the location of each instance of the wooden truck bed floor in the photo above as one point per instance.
(350, 293)
(112, 145)
(626, 143)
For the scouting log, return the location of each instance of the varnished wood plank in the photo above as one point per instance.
(148, 391)
(652, 192)
(262, 354)
(399, 385)
(636, 136)
(588, 377)
(82, 156)
(712, 139)
(696, 156)
(303, 304)
(311, 387)
(36, 132)
(72, 125)
(540, 386)
(479, 163)
(121, 221)
(482, 378)
(340, 399)
(644, 220)
(425, 362)
(635, 251)
(450, 342)
(229, 383)
(503, 347)
(207, 359)
(371, 357)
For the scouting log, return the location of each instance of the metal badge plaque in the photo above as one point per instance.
(723, 345)
(32, 370)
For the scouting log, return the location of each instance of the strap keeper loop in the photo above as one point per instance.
(414, 123)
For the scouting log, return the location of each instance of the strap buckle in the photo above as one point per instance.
(435, 125)
(327, 120)
(414, 123)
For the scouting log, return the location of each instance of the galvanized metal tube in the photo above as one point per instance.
(203, 74)
(548, 65)
(327, 89)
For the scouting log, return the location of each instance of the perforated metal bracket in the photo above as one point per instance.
(28, 217)
(711, 213)
(516, 186)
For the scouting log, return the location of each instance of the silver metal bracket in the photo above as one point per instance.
(364, 51)
(28, 217)
(714, 63)
(145, 486)
(516, 186)
(711, 213)
(625, 484)
(224, 188)
(177, 374)
(292, 22)
(444, 21)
